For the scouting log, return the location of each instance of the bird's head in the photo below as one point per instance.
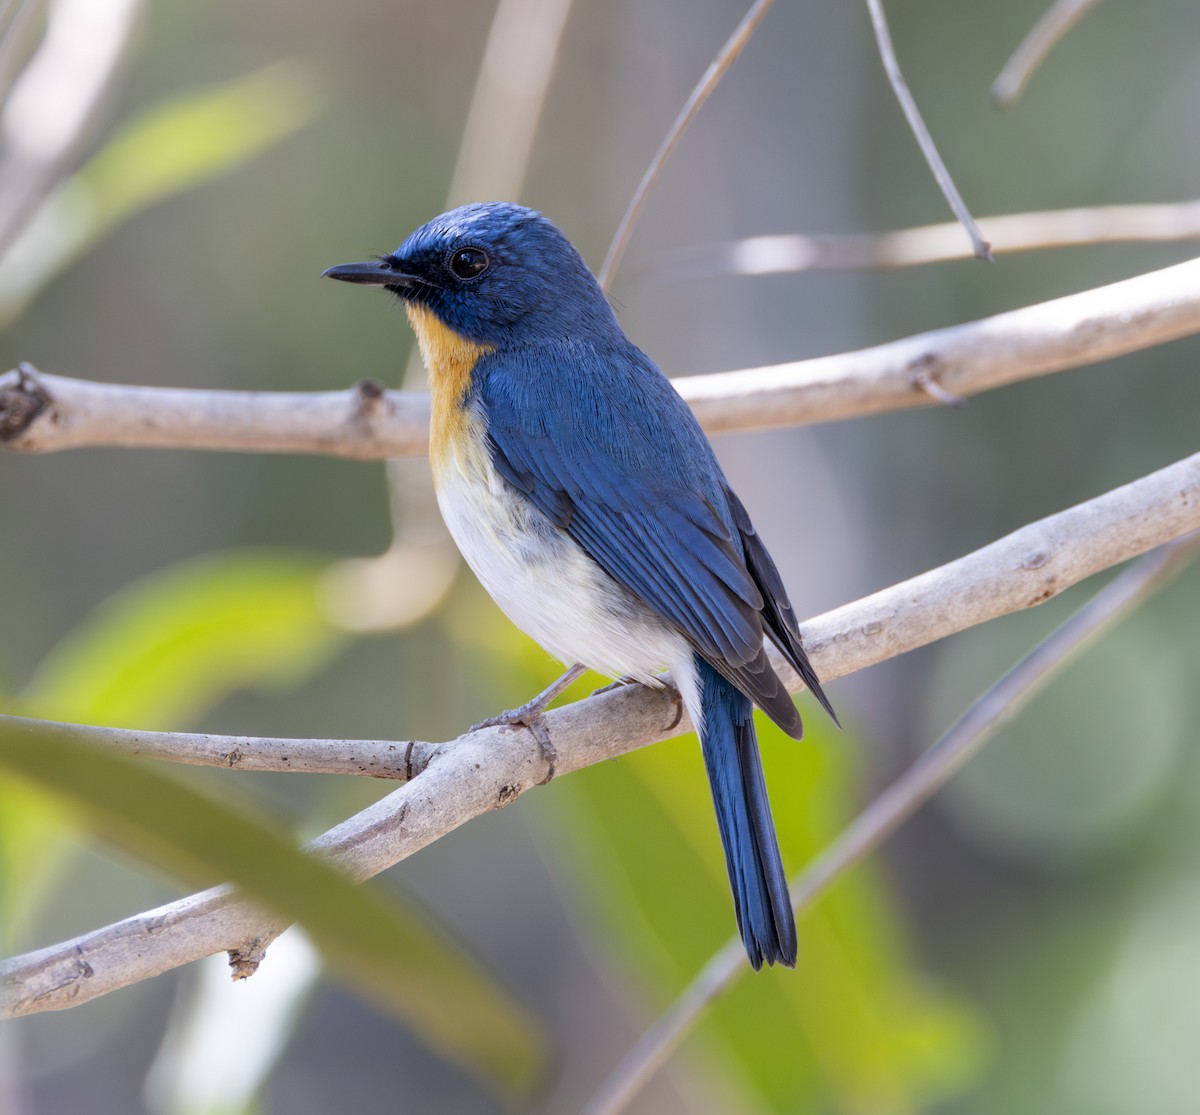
(496, 274)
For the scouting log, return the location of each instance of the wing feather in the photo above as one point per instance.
(625, 470)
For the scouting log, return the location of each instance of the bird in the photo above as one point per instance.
(587, 500)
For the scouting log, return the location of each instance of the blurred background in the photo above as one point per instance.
(1028, 942)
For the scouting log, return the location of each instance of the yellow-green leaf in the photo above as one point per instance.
(166, 647)
(157, 654)
(390, 955)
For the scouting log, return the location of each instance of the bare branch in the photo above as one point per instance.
(899, 802)
(913, 247)
(1041, 40)
(397, 760)
(717, 69)
(964, 360)
(490, 768)
(912, 114)
(42, 413)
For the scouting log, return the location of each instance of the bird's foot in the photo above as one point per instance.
(671, 689)
(531, 715)
(677, 700)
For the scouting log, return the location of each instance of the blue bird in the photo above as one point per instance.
(587, 500)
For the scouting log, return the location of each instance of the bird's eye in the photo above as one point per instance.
(468, 263)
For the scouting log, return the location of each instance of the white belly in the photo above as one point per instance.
(545, 583)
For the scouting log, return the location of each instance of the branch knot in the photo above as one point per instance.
(23, 400)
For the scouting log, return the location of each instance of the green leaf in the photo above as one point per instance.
(32, 848)
(158, 652)
(389, 954)
(175, 146)
(195, 137)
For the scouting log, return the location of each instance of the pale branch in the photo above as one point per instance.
(396, 760)
(57, 101)
(717, 69)
(963, 360)
(790, 253)
(1034, 48)
(42, 413)
(490, 768)
(891, 66)
(899, 802)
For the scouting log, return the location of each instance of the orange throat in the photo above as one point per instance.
(449, 359)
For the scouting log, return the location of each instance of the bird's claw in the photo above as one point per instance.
(530, 715)
(677, 700)
(672, 691)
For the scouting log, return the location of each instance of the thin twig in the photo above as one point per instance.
(44, 413)
(941, 175)
(914, 247)
(717, 69)
(1041, 40)
(899, 802)
(488, 769)
(397, 760)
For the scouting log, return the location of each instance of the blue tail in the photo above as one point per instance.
(760, 892)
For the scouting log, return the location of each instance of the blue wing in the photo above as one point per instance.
(603, 445)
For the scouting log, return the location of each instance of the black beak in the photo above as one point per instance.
(375, 272)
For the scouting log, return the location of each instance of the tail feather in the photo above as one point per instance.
(756, 876)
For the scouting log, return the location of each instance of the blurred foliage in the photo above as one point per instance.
(391, 956)
(854, 1029)
(160, 651)
(1075, 775)
(1083, 811)
(1054, 887)
(175, 146)
(32, 845)
(156, 655)
(153, 656)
